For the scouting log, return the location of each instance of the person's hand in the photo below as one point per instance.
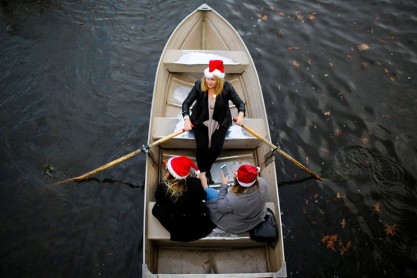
(239, 119)
(223, 179)
(234, 173)
(187, 124)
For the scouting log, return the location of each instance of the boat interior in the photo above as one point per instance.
(221, 254)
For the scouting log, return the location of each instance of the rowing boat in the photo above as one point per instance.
(201, 36)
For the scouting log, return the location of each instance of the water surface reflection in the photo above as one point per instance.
(339, 85)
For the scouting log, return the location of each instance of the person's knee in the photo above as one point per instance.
(211, 193)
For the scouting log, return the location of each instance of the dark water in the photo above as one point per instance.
(75, 92)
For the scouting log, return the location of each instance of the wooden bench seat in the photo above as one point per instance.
(218, 237)
(197, 60)
(236, 138)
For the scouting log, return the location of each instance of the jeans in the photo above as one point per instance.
(211, 194)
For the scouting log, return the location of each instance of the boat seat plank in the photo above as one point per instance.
(236, 138)
(197, 60)
(218, 237)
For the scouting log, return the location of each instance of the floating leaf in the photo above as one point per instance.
(263, 17)
(339, 196)
(293, 48)
(337, 132)
(365, 140)
(327, 114)
(365, 64)
(363, 47)
(296, 64)
(344, 248)
(329, 241)
(377, 207)
(311, 16)
(390, 230)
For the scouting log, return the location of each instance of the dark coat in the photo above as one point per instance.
(186, 219)
(221, 111)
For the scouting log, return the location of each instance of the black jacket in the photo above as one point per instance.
(186, 219)
(221, 111)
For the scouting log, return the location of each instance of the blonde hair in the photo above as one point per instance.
(219, 85)
(175, 187)
(238, 189)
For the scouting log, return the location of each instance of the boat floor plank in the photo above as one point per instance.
(245, 260)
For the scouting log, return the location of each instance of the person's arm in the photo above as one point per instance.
(223, 204)
(238, 102)
(160, 192)
(192, 96)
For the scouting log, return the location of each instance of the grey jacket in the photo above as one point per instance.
(239, 213)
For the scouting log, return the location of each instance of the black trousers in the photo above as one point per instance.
(206, 156)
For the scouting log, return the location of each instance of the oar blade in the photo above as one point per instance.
(123, 158)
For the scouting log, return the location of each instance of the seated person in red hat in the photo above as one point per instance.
(211, 115)
(180, 202)
(243, 206)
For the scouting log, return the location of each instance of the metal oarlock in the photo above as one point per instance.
(145, 148)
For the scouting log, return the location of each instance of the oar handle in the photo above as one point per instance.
(166, 138)
(281, 152)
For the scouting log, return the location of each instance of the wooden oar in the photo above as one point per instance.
(123, 158)
(281, 152)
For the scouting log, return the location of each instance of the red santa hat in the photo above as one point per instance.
(215, 68)
(180, 166)
(247, 175)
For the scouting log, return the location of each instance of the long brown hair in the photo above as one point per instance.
(219, 85)
(238, 189)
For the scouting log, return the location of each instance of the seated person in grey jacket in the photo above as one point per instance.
(243, 206)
